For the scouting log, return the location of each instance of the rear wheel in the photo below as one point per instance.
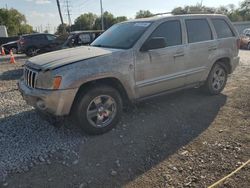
(98, 110)
(216, 80)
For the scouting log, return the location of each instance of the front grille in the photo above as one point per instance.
(30, 77)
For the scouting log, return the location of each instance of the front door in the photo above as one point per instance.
(161, 69)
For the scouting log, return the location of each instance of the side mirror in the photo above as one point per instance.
(154, 43)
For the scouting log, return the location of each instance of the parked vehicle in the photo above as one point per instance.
(132, 61)
(3, 31)
(245, 39)
(80, 38)
(11, 46)
(37, 43)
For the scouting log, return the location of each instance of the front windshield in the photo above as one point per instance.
(122, 36)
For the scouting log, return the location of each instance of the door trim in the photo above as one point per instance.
(160, 79)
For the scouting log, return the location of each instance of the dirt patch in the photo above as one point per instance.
(186, 139)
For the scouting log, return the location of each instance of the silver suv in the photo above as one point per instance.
(132, 61)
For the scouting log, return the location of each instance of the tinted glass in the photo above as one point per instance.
(38, 37)
(198, 30)
(171, 31)
(222, 29)
(51, 37)
(122, 35)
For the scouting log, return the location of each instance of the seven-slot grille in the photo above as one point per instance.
(30, 77)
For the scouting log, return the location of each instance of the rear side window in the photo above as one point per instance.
(222, 28)
(38, 37)
(198, 30)
(50, 37)
(84, 38)
(171, 31)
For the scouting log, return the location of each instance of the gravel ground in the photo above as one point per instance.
(186, 139)
(25, 138)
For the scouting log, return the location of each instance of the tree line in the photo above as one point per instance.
(242, 13)
(16, 21)
(90, 21)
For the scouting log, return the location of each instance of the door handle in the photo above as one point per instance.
(211, 48)
(179, 54)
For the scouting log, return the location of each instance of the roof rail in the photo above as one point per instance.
(162, 13)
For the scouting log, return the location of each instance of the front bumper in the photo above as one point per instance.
(55, 102)
(234, 63)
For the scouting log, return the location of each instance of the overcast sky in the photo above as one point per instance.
(43, 13)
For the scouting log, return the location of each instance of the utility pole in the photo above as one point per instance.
(68, 12)
(59, 10)
(102, 15)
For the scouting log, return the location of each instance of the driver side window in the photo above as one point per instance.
(171, 31)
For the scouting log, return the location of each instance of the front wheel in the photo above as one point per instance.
(32, 52)
(14, 50)
(216, 80)
(248, 46)
(98, 110)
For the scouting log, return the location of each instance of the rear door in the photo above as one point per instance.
(226, 37)
(39, 41)
(51, 43)
(201, 45)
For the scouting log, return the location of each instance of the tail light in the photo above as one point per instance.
(238, 43)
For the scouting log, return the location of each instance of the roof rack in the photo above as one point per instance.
(158, 14)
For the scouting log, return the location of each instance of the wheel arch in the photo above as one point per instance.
(225, 62)
(109, 81)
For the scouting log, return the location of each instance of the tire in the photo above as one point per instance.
(14, 50)
(248, 46)
(216, 80)
(98, 110)
(32, 51)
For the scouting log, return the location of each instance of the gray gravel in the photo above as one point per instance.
(25, 138)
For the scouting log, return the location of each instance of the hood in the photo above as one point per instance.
(60, 58)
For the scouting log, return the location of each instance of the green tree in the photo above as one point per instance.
(240, 14)
(144, 14)
(14, 21)
(25, 29)
(62, 29)
(244, 10)
(108, 19)
(84, 22)
(196, 9)
(121, 19)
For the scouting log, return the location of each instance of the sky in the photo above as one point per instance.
(43, 14)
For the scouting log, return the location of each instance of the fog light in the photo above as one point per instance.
(40, 104)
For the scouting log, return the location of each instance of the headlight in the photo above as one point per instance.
(45, 80)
